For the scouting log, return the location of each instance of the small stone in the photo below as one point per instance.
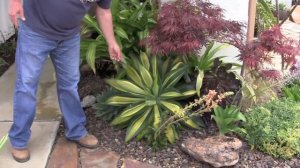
(98, 158)
(130, 163)
(88, 101)
(218, 151)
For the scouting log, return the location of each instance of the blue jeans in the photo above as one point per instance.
(31, 55)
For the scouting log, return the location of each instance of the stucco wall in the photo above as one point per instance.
(6, 27)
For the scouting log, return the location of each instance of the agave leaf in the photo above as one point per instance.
(173, 107)
(145, 60)
(154, 67)
(122, 100)
(120, 120)
(173, 77)
(170, 134)
(157, 117)
(191, 124)
(137, 126)
(171, 94)
(145, 74)
(125, 86)
(132, 110)
(134, 75)
(189, 93)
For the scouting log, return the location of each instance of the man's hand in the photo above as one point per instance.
(105, 21)
(16, 11)
(115, 52)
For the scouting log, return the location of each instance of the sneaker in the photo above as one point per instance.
(21, 155)
(88, 141)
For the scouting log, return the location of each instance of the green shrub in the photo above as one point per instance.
(292, 90)
(147, 93)
(274, 128)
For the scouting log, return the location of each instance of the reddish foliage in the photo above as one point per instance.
(269, 42)
(183, 27)
(272, 74)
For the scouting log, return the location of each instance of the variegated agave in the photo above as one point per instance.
(150, 94)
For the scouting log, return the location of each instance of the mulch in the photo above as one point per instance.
(172, 157)
(7, 53)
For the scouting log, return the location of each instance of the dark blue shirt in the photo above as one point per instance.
(57, 19)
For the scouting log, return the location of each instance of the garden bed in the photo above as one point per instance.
(171, 157)
(7, 54)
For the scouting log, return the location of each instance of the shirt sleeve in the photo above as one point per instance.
(105, 4)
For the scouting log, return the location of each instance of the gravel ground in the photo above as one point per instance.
(172, 157)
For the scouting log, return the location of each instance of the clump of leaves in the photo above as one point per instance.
(227, 118)
(262, 50)
(274, 128)
(221, 79)
(184, 26)
(132, 21)
(148, 93)
(292, 90)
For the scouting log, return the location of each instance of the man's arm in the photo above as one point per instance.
(104, 18)
(16, 11)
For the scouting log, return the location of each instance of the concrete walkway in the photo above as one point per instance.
(46, 123)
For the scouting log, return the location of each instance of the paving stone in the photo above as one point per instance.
(64, 155)
(47, 107)
(40, 145)
(98, 158)
(131, 163)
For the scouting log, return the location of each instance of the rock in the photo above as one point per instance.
(63, 150)
(130, 163)
(98, 158)
(88, 101)
(218, 151)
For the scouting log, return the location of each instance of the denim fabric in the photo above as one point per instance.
(32, 52)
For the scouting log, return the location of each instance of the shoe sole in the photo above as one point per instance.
(85, 145)
(21, 160)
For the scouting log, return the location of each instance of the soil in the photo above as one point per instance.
(171, 157)
(7, 53)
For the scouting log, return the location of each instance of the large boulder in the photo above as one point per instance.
(218, 151)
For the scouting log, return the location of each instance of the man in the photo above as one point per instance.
(51, 27)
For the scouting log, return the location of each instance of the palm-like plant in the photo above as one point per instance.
(204, 62)
(132, 21)
(226, 119)
(149, 94)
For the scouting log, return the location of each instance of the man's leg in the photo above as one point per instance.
(66, 60)
(32, 52)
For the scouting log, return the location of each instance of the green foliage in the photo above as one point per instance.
(2, 62)
(226, 119)
(221, 79)
(3, 141)
(292, 90)
(132, 21)
(274, 128)
(204, 62)
(264, 18)
(148, 93)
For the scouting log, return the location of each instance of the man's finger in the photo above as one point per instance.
(21, 13)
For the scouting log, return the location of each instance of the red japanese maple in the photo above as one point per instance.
(184, 26)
